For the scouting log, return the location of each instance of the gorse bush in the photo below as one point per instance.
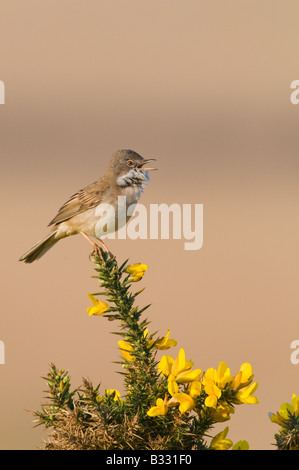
(288, 419)
(167, 405)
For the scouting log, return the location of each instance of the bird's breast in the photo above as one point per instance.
(131, 194)
(110, 215)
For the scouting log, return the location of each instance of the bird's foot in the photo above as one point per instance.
(97, 252)
(105, 249)
(101, 253)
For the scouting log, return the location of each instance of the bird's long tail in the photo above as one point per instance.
(38, 250)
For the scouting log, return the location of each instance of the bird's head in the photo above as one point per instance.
(128, 166)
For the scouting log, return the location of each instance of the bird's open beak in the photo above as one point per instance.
(145, 162)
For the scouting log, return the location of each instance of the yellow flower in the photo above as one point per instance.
(211, 401)
(99, 307)
(244, 395)
(214, 381)
(116, 393)
(186, 402)
(165, 365)
(217, 380)
(241, 445)
(161, 343)
(219, 442)
(244, 376)
(213, 393)
(164, 342)
(222, 412)
(286, 408)
(136, 271)
(180, 369)
(160, 409)
(150, 340)
(295, 403)
(285, 411)
(136, 268)
(135, 277)
(173, 387)
(220, 377)
(124, 349)
(194, 389)
(276, 418)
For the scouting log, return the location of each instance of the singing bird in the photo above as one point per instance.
(125, 176)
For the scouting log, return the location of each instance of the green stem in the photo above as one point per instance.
(141, 374)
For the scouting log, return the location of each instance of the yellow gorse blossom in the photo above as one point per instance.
(136, 271)
(214, 384)
(219, 442)
(214, 393)
(99, 307)
(183, 400)
(285, 411)
(241, 445)
(160, 409)
(164, 342)
(292, 408)
(194, 388)
(215, 381)
(186, 402)
(295, 402)
(178, 372)
(116, 393)
(244, 395)
(178, 369)
(222, 412)
(244, 376)
(220, 377)
(125, 349)
(165, 365)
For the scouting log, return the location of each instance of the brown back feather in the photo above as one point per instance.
(85, 199)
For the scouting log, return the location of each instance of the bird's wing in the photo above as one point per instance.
(81, 201)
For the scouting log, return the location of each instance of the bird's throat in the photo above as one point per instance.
(134, 178)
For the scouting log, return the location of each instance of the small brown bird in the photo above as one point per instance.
(86, 211)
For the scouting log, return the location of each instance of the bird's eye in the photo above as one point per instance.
(130, 163)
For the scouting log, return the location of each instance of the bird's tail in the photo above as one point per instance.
(38, 250)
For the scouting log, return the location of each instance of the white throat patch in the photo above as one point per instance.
(134, 178)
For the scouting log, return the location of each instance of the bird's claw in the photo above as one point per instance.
(98, 252)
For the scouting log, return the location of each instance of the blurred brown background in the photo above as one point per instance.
(204, 86)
